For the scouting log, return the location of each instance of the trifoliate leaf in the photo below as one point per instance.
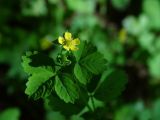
(94, 62)
(112, 85)
(66, 89)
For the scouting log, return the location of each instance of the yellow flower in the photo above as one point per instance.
(122, 35)
(68, 42)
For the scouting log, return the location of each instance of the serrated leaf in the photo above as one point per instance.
(79, 73)
(44, 90)
(112, 86)
(39, 81)
(94, 62)
(66, 89)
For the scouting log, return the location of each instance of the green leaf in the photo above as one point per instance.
(40, 82)
(127, 112)
(111, 86)
(57, 104)
(41, 59)
(10, 114)
(66, 89)
(79, 52)
(44, 90)
(80, 74)
(94, 62)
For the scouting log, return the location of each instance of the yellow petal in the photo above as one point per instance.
(66, 47)
(61, 40)
(76, 41)
(73, 48)
(68, 36)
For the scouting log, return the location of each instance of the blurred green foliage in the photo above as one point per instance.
(133, 44)
(10, 114)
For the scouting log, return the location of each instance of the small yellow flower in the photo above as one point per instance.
(68, 42)
(122, 35)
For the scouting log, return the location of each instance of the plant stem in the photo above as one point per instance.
(92, 100)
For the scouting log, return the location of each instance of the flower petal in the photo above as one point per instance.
(76, 41)
(66, 47)
(68, 36)
(61, 40)
(73, 47)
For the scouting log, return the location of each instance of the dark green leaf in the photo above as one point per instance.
(112, 85)
(66, 89)
(40, 59)
(68, 109)
(80, 74)
(94, 62)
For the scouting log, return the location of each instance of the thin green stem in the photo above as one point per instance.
(92, 100)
